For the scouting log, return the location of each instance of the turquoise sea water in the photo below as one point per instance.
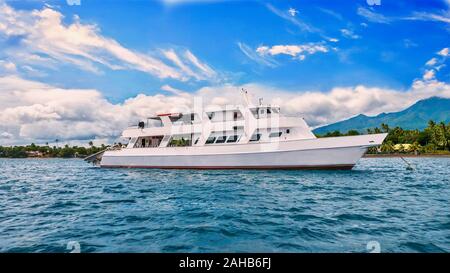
(45, 203)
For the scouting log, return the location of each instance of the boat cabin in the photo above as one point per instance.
(235, 125)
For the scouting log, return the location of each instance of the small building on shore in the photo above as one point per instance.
(403, 147)
(34, 154)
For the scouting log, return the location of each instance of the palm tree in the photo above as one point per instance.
(415, 147)
(387, 147)
(444, 135)
(447, 136)
(431, 124)
(385, 127)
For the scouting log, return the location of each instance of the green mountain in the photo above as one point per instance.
(413, 117)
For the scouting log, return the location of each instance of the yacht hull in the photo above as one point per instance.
(318, 153)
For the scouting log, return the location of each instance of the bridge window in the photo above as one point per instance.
(255, 137)
(264, 112)
(210, 140)
(221, 139)
(232, 139)
(275, 134)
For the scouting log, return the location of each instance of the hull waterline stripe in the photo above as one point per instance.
(239, 153)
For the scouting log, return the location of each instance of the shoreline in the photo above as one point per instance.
(364, 156)
(404, 155)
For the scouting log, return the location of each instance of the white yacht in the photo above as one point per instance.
(239, 137)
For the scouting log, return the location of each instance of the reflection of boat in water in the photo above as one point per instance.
(240, 137)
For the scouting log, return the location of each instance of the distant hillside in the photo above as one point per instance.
(413, 117)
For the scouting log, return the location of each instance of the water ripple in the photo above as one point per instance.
(45, 204)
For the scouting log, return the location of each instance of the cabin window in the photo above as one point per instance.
(232, 139)
(268, 111)
(175, 119)
(235, 115)
(262, 111)
(275, 134)
(221, 139)
(196, 141)
(211, 115)
(255, 137)
(147, 142)
(210, 140)
(288, 131)
(179, 142)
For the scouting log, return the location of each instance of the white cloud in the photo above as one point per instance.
(6, 135)
(332, 13)
(373, 16)
(436, 64)
(320, 108)
(294, 20)
(38, 112)
(427, 16)
(444, 52)
(292, 50)
(171, 55)
(431, 62)
(292, 11)
(204, 68)
(252, 55)
(429, 75)
(176, 2)
(174, 91)
(43, 33)
(33, 111)
(409, 43)
(7, 67)
(347, 33)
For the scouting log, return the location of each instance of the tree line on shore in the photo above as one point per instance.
(34, 150)
(434, 139)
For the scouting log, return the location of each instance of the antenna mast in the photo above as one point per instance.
(245, 96)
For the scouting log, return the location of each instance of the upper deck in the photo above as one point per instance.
(230, 125)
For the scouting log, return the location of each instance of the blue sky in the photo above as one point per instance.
(388, 54)
(120, 49)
